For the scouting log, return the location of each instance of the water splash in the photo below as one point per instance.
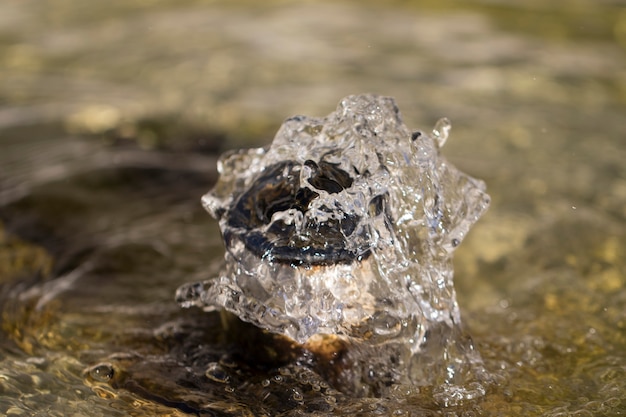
(343, 230)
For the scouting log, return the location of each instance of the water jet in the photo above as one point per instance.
(339, 236)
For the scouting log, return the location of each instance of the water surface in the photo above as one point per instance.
(112, 116)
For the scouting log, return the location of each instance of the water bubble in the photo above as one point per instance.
(228, 362)
(306, 377)
(297, 395)
(216, 373)
(103, 372)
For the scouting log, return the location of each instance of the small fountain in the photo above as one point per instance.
(339, 237)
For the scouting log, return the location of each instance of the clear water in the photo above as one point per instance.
(111, 120)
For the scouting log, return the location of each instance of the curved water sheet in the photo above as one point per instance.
(341, 233)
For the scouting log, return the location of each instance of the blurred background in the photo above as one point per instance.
(112, 115)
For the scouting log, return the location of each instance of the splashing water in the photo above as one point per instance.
(341, 233)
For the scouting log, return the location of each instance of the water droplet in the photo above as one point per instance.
(441, 131)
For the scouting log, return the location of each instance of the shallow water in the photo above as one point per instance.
(111, 120)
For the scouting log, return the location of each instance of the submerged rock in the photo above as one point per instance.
(344, 229)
